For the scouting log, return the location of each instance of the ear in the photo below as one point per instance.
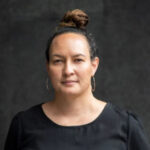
(95, 64)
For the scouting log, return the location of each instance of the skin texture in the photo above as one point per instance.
(70, 61)
(70, 70)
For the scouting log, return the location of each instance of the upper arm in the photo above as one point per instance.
(137, 139)
(13, 136)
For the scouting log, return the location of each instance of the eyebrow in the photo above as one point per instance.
(77, 55)
(56, 55)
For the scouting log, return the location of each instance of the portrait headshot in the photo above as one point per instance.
(75, 76)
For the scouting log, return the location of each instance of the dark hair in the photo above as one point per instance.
(75, 22)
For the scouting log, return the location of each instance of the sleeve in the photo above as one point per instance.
(13, 136)
(137, 139)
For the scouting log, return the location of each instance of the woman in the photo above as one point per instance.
(74, 119)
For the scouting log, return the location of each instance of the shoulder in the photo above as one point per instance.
(31, 111)
(124, 118)
(117, 112)
(122, 114)
(28, 116)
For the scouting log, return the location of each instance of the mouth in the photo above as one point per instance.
(69, 82)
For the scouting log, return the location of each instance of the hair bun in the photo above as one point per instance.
(75, 18)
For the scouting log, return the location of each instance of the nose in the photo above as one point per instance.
(68, 69)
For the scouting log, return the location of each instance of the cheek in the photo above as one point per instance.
(85, 71)
(54, 74)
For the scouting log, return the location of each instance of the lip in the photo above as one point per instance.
(69, 82)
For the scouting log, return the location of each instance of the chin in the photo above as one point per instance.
(70, 91)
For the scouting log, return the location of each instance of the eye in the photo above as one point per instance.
(79, 60)
(57, 61)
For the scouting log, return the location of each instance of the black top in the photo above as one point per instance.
(113, 129)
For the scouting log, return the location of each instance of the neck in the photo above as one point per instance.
(72, 105)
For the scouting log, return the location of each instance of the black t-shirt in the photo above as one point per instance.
(113, 129)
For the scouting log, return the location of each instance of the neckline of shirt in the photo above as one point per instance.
(50, 121)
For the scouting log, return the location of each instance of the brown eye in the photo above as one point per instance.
(57, 61)
(78, 60)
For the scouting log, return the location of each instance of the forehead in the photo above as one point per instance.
(70, 43)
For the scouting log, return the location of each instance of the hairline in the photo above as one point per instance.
(75, 31)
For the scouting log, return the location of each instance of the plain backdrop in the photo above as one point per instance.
(122, 32)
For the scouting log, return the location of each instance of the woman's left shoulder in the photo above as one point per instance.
(123, 113)
(132, 125)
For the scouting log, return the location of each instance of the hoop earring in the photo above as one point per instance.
(47, 87)
(93, 84)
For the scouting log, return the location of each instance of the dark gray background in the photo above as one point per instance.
(122, 32)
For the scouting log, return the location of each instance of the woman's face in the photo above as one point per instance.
(70, 67)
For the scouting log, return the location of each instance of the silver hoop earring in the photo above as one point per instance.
(47, 87)
(93, 84)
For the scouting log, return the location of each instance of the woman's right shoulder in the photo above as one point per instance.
(28, 114)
